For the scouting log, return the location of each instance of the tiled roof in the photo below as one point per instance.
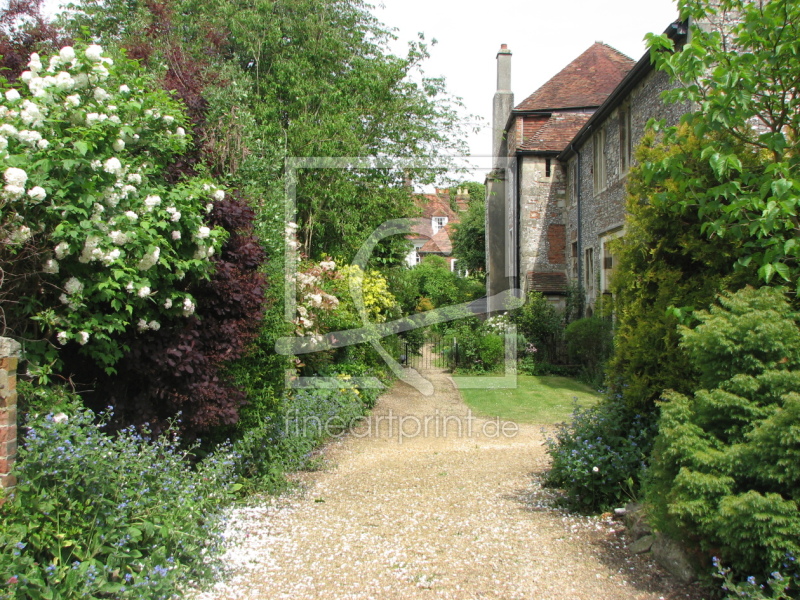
(586, 81)
(432, 205)
(547, 283)
(439, 242)
(556, 133)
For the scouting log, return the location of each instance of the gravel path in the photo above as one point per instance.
(441, 515)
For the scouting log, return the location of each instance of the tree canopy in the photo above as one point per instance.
(278, 79)
(742, 73)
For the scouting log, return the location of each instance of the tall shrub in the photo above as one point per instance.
(726, 464)
(96, 242)
(665, 263)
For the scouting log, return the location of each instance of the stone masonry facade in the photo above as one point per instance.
(602, 211)
(564, 206)
(542, 223)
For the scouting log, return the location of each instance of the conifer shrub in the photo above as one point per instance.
(725, 471)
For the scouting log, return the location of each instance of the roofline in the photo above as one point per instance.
(549, 111)
(677, 31)
(547, 153)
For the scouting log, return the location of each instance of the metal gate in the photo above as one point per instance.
(435, 353)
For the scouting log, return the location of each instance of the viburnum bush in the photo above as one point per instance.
(95, 242)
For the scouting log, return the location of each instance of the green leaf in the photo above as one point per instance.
(782, 269)
(81, 146)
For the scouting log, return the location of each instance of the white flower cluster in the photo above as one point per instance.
(149, 259)
(128, 217)
(497, 324)
(143, 325)
(291, 236)
(92, 252)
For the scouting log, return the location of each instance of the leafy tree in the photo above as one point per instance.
(469, 235)
(742, 74)
(298, 78)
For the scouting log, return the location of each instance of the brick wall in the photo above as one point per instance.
(557, 243)
(9, 354)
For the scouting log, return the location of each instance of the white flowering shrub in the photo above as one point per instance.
(94, 239)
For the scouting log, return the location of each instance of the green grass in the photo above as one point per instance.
(546, 400)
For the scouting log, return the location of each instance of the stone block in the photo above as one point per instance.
(672, 557)
(7, 480)
(9, 347)
(7, 432)
(642, 545)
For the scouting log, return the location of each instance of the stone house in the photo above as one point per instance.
(556, 196)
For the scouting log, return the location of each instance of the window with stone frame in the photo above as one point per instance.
(572, 182)
(588, 270)
(625, 134)
(574, 259)
(600, 161)
(608, 267)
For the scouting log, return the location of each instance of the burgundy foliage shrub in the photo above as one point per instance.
(24, 29)
(179, 368)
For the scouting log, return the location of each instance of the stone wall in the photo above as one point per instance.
(603, 212)
(542, 233)
(9, 355)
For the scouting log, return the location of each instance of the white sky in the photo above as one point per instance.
(543, 36)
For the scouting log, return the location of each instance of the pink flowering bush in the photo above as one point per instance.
(94, 242)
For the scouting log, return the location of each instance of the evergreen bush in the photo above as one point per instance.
(726, 463)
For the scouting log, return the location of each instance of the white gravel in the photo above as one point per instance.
(455, 517)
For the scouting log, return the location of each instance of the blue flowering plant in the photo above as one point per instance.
(599, 458)
(99, 515)
(778, 585)
(97, 237)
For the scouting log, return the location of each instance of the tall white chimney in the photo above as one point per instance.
(503, 100)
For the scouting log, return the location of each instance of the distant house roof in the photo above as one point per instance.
(556, 132)
(547, 283)
(585, 82)
(439, 243)
(436, 205)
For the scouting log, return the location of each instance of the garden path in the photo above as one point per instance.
(442, 516)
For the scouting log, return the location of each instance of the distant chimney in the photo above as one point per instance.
(503, 100)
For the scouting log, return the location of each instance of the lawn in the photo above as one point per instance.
(546, 399)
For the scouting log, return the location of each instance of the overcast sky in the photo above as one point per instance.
(543, 36)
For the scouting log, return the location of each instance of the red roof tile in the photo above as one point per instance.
(439, 242)
(586, 81)
(556, 133)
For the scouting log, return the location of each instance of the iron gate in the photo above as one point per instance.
(437, 352)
